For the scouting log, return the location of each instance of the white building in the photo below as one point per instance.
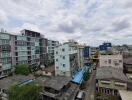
(68, 59)
(115, 61)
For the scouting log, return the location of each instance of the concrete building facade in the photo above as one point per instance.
(115, 61)
(43, 52)
(51, 46)
(29, 48)
(109, 80)
(5, 54)
(33, 48)
(80, 49)
(68, 59)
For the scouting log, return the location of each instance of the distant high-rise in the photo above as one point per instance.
(105, 46)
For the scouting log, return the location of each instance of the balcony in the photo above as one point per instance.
(120, 84)
(72, 51)
(5, 48)
(105, 82)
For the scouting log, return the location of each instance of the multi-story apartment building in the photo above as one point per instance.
(68, 59)
(43, 52)
(5, 53)
(30, 42)
(80, 49)
(115, 61)
(20, 50)
(51, 46)
(29, 47)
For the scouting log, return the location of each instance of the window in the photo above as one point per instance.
(63, 57)
(120, 61)
(109, 61)
(56, 52)
(63, 49)
(56, 59)
(64, 65)
(105, 62)
(57, 67)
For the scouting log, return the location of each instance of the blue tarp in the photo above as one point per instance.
(25, 82)
(78, 78)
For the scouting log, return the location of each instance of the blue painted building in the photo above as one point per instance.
(86, 51)
(105, 46)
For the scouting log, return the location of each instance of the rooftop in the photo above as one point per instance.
(110, 73)
(78, 78)
(125, 95)
(5, 83)
(57, 82)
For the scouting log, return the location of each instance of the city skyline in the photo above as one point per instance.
(88, 21)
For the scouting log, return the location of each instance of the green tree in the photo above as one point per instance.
(26, 92)
(86, 76)
(22, 69)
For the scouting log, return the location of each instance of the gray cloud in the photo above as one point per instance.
(92, 22)
(66, 28)
(128, 4)
(118, 26)
(3, 17)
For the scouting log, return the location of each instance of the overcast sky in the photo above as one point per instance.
(88, 21)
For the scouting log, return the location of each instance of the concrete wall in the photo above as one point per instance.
(5, 56)
(80, 57)
(115, 61)
(62, 59)
(112, 84)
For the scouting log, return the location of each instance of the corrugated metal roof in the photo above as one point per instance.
(78, 78)
(57, 82)
(110, 73)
